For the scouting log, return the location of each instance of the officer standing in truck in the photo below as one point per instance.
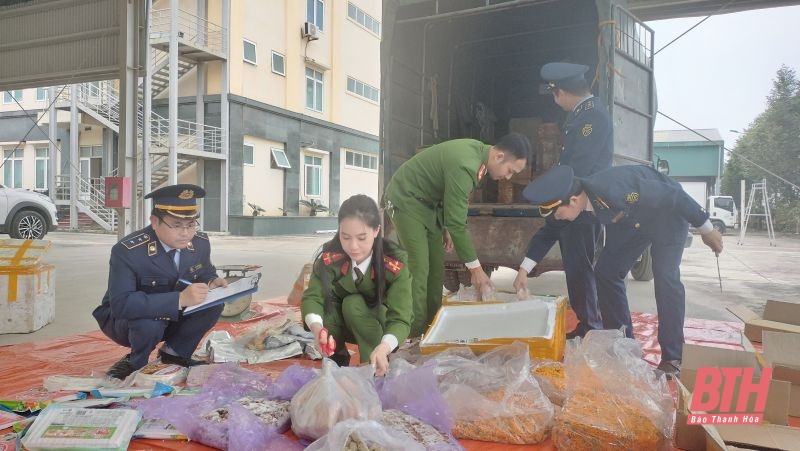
(587, 149)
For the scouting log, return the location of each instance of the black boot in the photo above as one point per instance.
(121, 369)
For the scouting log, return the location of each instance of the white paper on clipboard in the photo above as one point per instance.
(237, 287)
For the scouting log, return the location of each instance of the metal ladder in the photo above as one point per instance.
(761, 188)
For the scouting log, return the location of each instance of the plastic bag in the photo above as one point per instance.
(552, 379)
(291, 380)
(337, 394)
(415, 391)
(217, 416)
(495, 398)
(615, 400)
(356, 435)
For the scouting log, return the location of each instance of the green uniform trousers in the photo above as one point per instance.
(353, 321)
(423, 242)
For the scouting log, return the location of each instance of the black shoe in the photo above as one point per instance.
(575, 334)
(671, 368)
(121, 369)
(180, 361)
(341, 357)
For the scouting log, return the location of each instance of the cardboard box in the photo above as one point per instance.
(751, 437)
(779, 316)
(781, 353)
(693, 437)
(27, 286)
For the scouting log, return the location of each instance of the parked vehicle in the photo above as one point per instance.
(461, 69)
(722, 212)
(26, 214)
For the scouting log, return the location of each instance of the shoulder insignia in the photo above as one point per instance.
(137, 240)
(152, 249)
(632, 198)
(585, 106)
(345, 268)
(481, 172)
(586, 130)
(190, 247)
(331, 257)
(202, 235)
(393, 265)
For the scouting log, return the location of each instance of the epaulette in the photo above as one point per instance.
(481, 172)
(392, 265)
(345, 268)
(136, 240)
(202, 235)
(331, 257)
(585, 106)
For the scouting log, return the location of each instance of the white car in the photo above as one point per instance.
(26, 214)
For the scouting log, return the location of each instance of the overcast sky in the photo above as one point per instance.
(719, 74)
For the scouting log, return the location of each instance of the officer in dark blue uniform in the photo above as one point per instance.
(588, 148)
(640, 207)
(154, 274)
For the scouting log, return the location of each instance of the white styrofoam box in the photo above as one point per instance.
(27, 286)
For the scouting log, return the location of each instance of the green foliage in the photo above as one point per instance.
(314, 206)
(772, 142)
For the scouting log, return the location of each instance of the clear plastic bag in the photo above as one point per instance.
(551, 377)
(494, 397)
(337, 394)
(357, 435)
(615, 400)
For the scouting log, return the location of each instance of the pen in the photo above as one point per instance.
(184, 281)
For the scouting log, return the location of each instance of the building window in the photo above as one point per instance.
(250, 55)
(314, 89)
(365, 20)
(41, 94)
(247, 157)
(12, 169)
(42, 161)
(315, 12)
(360, 160)
(9, 96)
(278, 63)
(313, 171)
(279, 159)
(362, 89)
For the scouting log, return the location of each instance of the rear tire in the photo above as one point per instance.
(719, 226)
(28, 225)
(451, 280)
(643, 269)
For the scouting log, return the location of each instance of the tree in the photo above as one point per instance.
(770, 149)
(314, 206)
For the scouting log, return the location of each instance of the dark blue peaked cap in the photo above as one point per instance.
(562, 74)
(178, 200)
(552, 188)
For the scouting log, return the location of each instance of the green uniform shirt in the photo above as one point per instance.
(396, 297)
(435, 185)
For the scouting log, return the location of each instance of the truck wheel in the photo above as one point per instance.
(643, 269)
(28, 225)
(719, 226)
(451, 280)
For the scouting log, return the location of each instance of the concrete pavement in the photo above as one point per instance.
(751, 274)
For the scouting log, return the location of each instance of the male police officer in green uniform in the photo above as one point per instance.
(427, 200)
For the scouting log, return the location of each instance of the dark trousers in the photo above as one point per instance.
(624, 244)
(577, 244)
(143, 335)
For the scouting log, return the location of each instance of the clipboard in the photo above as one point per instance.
(237, 287)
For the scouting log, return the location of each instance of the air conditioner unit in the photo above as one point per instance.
(310, 31)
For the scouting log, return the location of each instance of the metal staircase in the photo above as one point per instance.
(199, 40)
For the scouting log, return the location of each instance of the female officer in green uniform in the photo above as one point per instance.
(359, 290)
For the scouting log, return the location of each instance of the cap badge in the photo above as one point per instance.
(186, 194)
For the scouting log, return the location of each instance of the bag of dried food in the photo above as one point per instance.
(552, 379)
(364, 435)
(614, 398)
(495, 398)
(337, 394)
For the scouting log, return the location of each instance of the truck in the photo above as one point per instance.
(470, 69)
(721, 209)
